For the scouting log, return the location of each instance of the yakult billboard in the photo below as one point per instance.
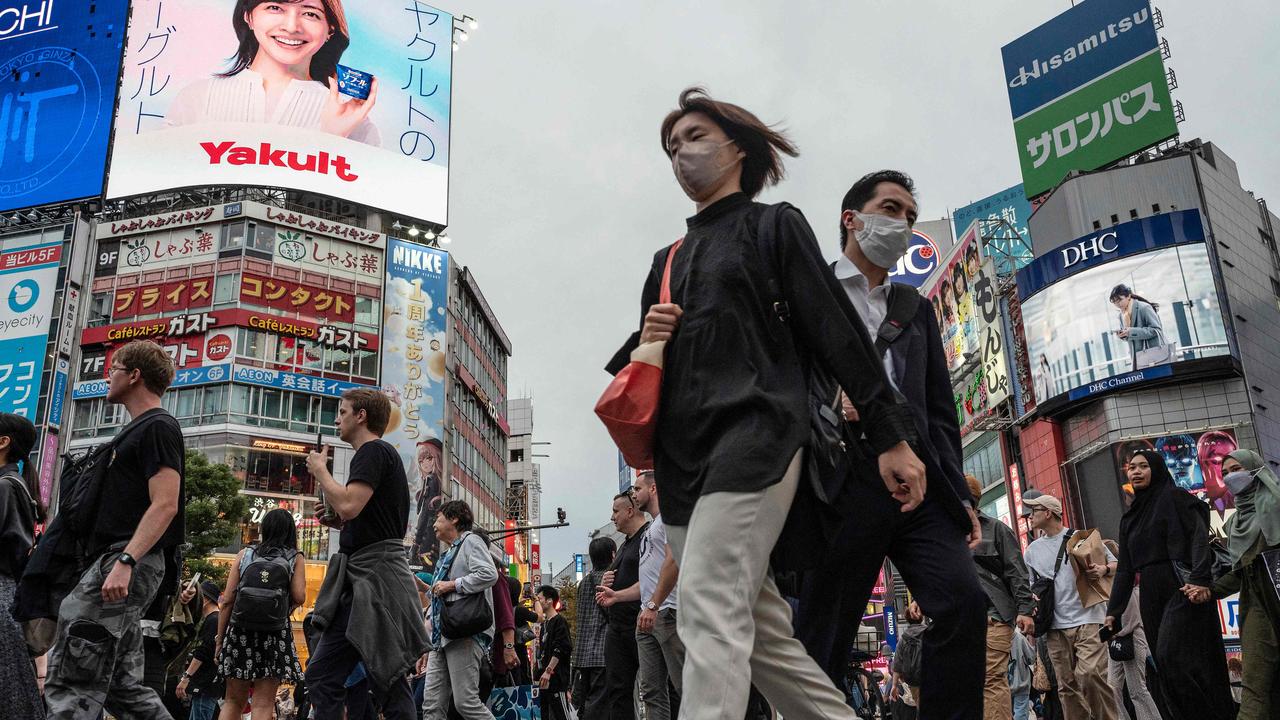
(350, 101)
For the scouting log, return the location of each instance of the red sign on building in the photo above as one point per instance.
(294, 297)
(188, 294)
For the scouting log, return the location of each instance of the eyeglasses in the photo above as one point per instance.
(119, 367)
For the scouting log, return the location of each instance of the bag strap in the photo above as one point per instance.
(664, 293)
(1062, 552)
(903, 302)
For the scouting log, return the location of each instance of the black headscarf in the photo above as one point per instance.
(1160, 523)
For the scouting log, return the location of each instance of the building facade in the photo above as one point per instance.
(1225, 342)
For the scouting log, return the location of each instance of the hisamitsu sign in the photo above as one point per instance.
(1085, 89)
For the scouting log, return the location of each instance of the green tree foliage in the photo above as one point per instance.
(214, 510)
(569, 604)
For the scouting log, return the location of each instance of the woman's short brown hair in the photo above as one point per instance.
(150, 360)
(761, 144)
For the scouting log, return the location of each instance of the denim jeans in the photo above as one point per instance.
(203, 707)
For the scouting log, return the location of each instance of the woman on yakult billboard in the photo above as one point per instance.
(285, 71)
(334, 97)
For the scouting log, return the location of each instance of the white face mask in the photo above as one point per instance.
(1240, 480)
(883, 239)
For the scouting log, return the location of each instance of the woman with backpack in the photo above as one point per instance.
(255, 637)
(20, 510)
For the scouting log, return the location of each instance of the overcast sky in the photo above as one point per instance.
(560, 192)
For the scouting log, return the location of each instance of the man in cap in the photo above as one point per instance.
(200, 680)
(1076, 650)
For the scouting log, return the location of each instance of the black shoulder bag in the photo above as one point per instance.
(80, 485)
(462, 616)
(1043, 589)
(832, 453)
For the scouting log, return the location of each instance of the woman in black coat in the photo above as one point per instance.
(1164, 538)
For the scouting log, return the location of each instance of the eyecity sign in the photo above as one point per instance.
(1085, 89)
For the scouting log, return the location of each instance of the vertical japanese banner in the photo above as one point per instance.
(28, 282)
(415, 315)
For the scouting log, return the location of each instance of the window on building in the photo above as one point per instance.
(226, 289)
(338, 361)
(261, 237)
(214, 403)
(367, 312)
(364, 364)
(232, 236)
(274, 408)
(100, 309)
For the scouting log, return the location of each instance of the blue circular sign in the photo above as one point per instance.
(23, 295)
(920, 261)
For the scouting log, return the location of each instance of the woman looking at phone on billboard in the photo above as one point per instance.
(1139, 324)
(285, 72)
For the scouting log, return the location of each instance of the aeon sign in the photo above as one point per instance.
(919, 263)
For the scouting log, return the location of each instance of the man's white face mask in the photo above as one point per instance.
(883, 239)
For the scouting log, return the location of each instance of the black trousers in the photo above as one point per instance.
(622, 666)
(928, 547)
(328, 669)
(588, 693)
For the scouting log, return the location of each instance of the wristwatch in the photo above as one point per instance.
(509, 646)
(127, 559)
(650, 605)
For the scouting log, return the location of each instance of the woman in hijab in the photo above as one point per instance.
(1253, 537)
(1164, 536)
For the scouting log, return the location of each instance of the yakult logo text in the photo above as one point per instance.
(322, 162)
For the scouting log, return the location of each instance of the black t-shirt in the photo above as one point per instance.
(206, 678)
(386, 515)
(126, 493)
(626, 567)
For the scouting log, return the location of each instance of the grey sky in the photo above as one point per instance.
(560, 192)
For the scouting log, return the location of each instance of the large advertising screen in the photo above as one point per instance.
(28, 282)
(966, 305)
(59, 66)
(414, 342)
(1122, 306)
(347, 99)
(1194, 460)
(1086, 88)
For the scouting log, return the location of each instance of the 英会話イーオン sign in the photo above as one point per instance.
(1085, 89)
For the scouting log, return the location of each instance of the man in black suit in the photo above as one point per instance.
(930, 545)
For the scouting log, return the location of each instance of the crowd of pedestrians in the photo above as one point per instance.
(687, 616)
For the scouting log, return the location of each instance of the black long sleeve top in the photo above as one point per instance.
(556, 642)
(734, 390)
(1194, 555)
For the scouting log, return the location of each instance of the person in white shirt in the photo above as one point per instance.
(1076, 649)
(284, 73)
(661, 651)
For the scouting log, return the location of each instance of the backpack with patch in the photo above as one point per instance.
(907, 656)
(263, 593)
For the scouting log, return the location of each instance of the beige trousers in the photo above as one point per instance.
(997, 703)
(1080, 662)
(735, 625)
